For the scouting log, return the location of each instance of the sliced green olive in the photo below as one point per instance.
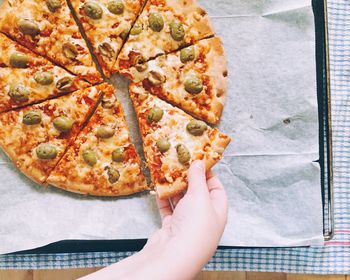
(31, 117)
(105, 132)
(53, 5)
(123, 34)
(19, 93)
(183, 154)
(193, 84)
(64, 84)
(155, 114)
(113, 174)
(89, 157)
(106, 50)
(156, 78)
(187, 54)
(93, 10)
(177, 30)
(28, 27)
(163, 145)
(118, 154)
(196, 128)
(43, 78)
(141, 67)
(156, 22)
(107, 103)
(46, 151)
(69, 50)
(63, 123)
(136, 29)
(115, 7)
(19, 60)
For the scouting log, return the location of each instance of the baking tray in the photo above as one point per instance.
(325, 159)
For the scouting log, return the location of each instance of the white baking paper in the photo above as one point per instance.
(268, 170)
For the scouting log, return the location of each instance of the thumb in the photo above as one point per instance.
(197, 183)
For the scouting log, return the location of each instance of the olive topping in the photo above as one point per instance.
(123, 34)
(19, 93)
(141, 67)
(183, 154)
(163, 145)
(193, 84)
(64, 83)
(136, 29)
(69, 50)
(113, 174)
(156, 22)
(89, 157)
(106, 50)
(118, 154)
(107, 103)
(28, 27)
(196, 128)
(93, 10)
(19, 60)
(115, 7)
(105, 132)
(155, 114)
(156, 78)
(63, 124)
(32, 117)
(53, 5)
(187, 54)
(177, 30)
(43, 78)
(46, 151)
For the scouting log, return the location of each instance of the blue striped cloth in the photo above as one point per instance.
(334, 257)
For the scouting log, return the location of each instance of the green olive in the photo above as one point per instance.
(196, 128)
(177, 30)
(46, 151)
(63, 124)
(53, 5)
(106, 50)
(123, 34)
(89, 157)
(118, 154)
(183, 154)
(193, 84)
(105, 132)
(155, 114)
(64, 84)
(187, 54)
(115, 7)
(156, 22)
(113, 174)
(93, 10)
(19, 60)
(156, 78)
(43, 78)
(107, 103)
(163, 145)
(136, 29)
(19, 93)
(141, 67)
(28, 27)
(69, 50)
(32, 117)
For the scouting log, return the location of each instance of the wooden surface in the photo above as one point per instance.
(70, 274)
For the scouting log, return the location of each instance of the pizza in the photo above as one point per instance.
(194, 78)
(48, 28)
(106, 25)
(26, 78)
(102, 161)
(163, 26)
(36, 137)
(173, 139)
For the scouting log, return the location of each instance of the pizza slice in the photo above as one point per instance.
(172, 140)
(36, 137)
(164, 26)
(48, 29)
(26, 78)
(102, 161)
(194, 78)
(106, 25)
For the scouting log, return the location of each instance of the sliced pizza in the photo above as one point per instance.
(163, 26)
(27, 78)
(173, 139)
(102, 161)
(48, 28)
(36, 137)
(194, 78)
(106, 24)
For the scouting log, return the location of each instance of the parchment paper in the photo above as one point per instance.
(271, 114)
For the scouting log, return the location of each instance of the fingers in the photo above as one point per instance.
(175, 199)
(164, 207)
(197, 183)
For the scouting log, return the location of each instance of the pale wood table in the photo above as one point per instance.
(70, 274)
